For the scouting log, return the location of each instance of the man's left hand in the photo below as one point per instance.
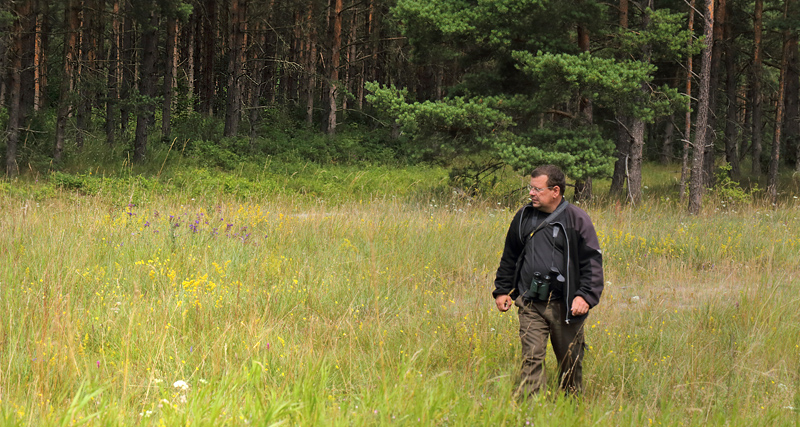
(579, 306)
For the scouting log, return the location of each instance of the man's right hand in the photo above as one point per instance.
(504, 302)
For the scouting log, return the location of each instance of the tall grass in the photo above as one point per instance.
(376, 310)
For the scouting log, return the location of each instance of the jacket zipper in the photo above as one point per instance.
(566, 291)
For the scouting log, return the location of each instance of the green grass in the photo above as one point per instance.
(365, 300)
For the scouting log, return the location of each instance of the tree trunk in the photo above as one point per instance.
(189, 56)
(27, 12)
(71, 15)
(731, 122)
(350, 60)
(775, 157)
(207, 75)
(756, 85)
(666, 146)
(311, 66)
(127, 59)
(621, 166)
(623, 143)
(5, 78)
(113, 66)
(257, 72)
(687, 133)
(289, 82)
(373, 35)
(583, 187)
(709, 158)
(696, 186)
(147, 84)
(40, 56)
(333, 76)
(14, 115)
(635, 165)
(638, 126)
(170, 74)
(84, 72)
(233, 102)
(792, 122)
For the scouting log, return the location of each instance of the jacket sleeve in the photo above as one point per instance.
(506, 272)
(590, 260)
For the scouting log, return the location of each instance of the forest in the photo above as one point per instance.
(290, 212)
(595, 87)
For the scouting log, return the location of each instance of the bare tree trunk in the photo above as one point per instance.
(170, 75)
(71, 15)
(127, 59)
(350, 59)
(688, 120)
(147, 83)
(38, 58)
(635, 165)
(731, 122)
(756, 84)
(207, 74)
(27, 12)
(373, 36)
(190, 31)
(620, 176)
(233, 102)
(5, 78)
(113, 66)
(623, 143)
(666, 146)
(257, 72)
(290, 74)
(709, 158)
(792, 122)
(583, 187)
(638, 126)
(85, 72)
(333, 75)
(270, 48)
(775, 157)
(311, 66)
(14, 114)
(696, 186)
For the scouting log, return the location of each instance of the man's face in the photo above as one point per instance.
(544, 198)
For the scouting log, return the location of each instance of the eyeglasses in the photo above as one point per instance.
(537, 190)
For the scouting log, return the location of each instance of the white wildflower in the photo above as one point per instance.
(181, 384)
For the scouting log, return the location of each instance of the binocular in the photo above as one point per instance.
(540, 285)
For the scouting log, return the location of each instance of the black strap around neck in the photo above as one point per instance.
(550, 217)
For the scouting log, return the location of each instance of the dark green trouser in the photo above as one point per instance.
(537, 320)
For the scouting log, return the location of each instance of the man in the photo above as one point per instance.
(552, 269)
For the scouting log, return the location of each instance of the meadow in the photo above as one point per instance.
(236, 302)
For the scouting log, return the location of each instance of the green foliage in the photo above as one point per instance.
(190, 125)
(616, 85)
(444, 129)
(221, 154)
(208, 182)
(176, 9)
(3, 117)
(581, 153)
(728, 193)
(6, 18)
(525, 54)
(666, 37)
(83, 183)
(21, 190)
